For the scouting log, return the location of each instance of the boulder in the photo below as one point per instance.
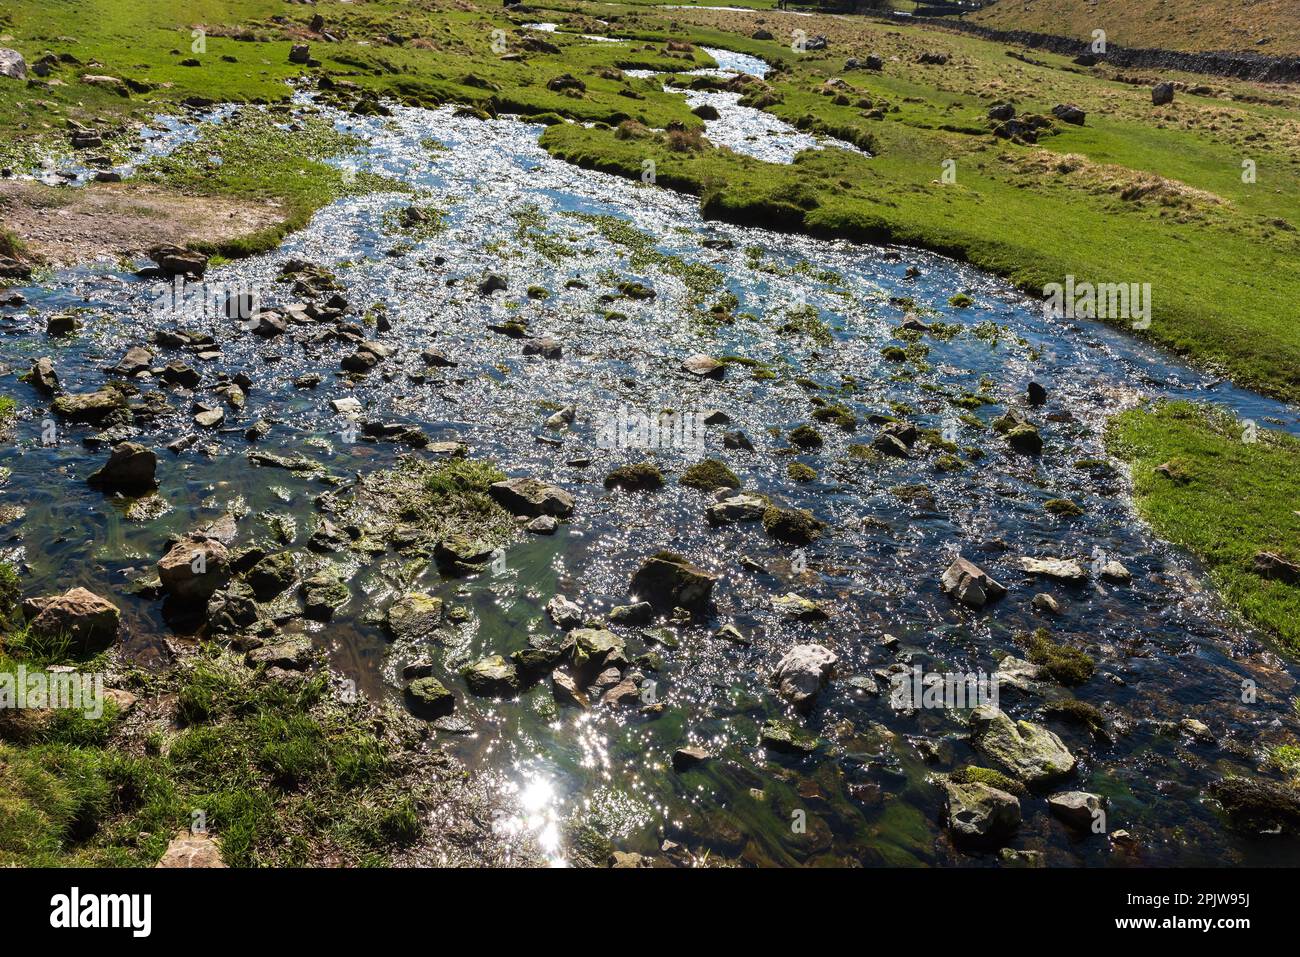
(532, 497)
(566, 690)
(596, 650)
(979, 814)
(1066, 569)
(137, 359)
(194, 568)
(86, 620)
(1078, 809)
(969, 584)
(130, 468)
(93, 408)
(793, 607)
(292, 654)
(564, 613)
(802, 672)
(414, 615)
(178, 261)
(706, 367)
(272, 575)
(12, 64)
(43, 377)
(428, 698)
(1069, 113)
(1256, 806)
(1116, 572)
(490, 283)
(737, 508)
(191, 849)
(492, 677)
(1273, 565)
(686, 758)
(1024, 750)
(638, 613)
(322, 593)
(667, 581)
(1162, 93)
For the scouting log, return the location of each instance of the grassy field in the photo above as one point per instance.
(1223, 498)
(1259, 26)
(1138, 194)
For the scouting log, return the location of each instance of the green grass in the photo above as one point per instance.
(1133, 196)
(278, 771)
(1228, 500)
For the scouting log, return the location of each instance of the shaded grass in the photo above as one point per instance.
(1228, 500)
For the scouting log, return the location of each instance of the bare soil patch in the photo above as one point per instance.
(63, 226)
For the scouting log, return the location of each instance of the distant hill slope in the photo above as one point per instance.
(1262, 26)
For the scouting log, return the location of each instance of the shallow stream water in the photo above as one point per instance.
(1166, 649)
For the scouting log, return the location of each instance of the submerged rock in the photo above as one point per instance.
(130, 468)
(787, 737)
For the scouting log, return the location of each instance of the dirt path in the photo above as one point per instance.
(64, 225)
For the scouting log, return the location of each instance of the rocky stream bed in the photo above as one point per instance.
(643, 655)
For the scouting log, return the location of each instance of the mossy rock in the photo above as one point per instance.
(1066, 665)
(787, 737)
(429, 698)
(709, 475)
(1063, 507)
(795, 526)
(806, 437)
(641, 477)
(973, 774)
(836, 415)
(798, 472)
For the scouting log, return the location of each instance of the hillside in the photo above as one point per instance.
(1262, 26)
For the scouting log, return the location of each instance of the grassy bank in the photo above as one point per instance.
(1261, 26)
(284, 773)
(1203, 486)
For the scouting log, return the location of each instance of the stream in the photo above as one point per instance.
(815, 311)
